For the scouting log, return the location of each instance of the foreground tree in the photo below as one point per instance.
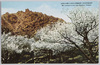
(85, 31)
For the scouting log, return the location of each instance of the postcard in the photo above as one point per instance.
(49, 32)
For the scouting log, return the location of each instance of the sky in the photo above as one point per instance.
(53, 8)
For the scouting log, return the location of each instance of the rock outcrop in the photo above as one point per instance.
(25, 23)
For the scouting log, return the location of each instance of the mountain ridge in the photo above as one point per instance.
(26, 23)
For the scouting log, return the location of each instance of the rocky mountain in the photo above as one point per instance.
(26, 23)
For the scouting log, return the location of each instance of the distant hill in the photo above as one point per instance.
(26, 23)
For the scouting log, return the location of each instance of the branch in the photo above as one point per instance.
(78, 48)
(92, 27)
(95, 39)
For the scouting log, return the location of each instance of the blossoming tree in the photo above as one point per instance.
(85, 30)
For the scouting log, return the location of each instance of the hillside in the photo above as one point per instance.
(26, 23)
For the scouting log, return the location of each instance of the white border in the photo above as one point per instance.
(49, 64)
(49, 0)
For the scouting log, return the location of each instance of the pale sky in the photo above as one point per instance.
(53, 8)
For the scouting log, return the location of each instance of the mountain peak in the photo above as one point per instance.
(27, 10)
(26, 23)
